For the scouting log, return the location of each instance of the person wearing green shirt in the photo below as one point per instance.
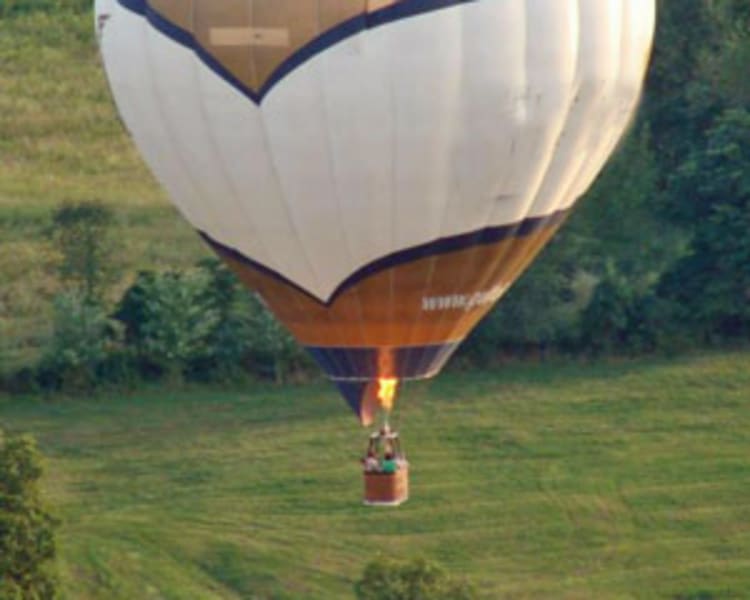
(389, 465)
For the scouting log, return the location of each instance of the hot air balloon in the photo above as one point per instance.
(379, 171)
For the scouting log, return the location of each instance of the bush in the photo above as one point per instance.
(167, 320)
(227, 343)
(84, 338)
(27, 530)
(22, 381)
(389, 579)
(606, 321)
(203, 325)
(654, 326)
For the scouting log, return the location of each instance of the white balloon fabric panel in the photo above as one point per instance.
(414, 121)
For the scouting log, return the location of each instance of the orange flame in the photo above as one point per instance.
(387, 392)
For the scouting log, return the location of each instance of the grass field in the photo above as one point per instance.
(622, 480)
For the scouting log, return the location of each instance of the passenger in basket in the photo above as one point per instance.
(370, 462)
(390, 465)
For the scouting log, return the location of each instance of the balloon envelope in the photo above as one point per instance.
(380, 171)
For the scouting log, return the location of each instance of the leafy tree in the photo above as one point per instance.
(167, 320)
(201, 323)
(619, 223)
(419, 579)
(27, 530)
(272, 348)
(712, 283)
(82, 233)
(726, 68)
(679, 102)
(82, 340)
(606, 321)
(245, 330)
(229, 341)
(627, 247)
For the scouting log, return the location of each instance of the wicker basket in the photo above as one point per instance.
(387, 489)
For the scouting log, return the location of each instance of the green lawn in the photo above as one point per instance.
(622, 480)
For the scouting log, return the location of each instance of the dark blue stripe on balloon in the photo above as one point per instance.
(353, 393)
(355, 25)
(363, 364)
(490, 235)
(355, 381)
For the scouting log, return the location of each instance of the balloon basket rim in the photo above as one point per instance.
(386, 489)
(384, 503)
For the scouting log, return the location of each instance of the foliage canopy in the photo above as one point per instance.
(417, 579)
(27, 530)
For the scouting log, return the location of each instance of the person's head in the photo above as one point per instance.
(389, 456)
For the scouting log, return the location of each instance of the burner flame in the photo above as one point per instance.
(387, 392)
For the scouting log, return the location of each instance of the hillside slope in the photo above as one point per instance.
(60, 140)
(609, 481)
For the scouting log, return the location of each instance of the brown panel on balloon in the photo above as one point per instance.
(430, 300)
(177, 12)
(253, 38)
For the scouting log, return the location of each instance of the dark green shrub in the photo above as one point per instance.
(22, 381)
(245, 336)
(418, 579)
(83, 339)
(228, 342)
(167, 320)
(27, 530)
(654, 325)
(606, 320)
(204, 325)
